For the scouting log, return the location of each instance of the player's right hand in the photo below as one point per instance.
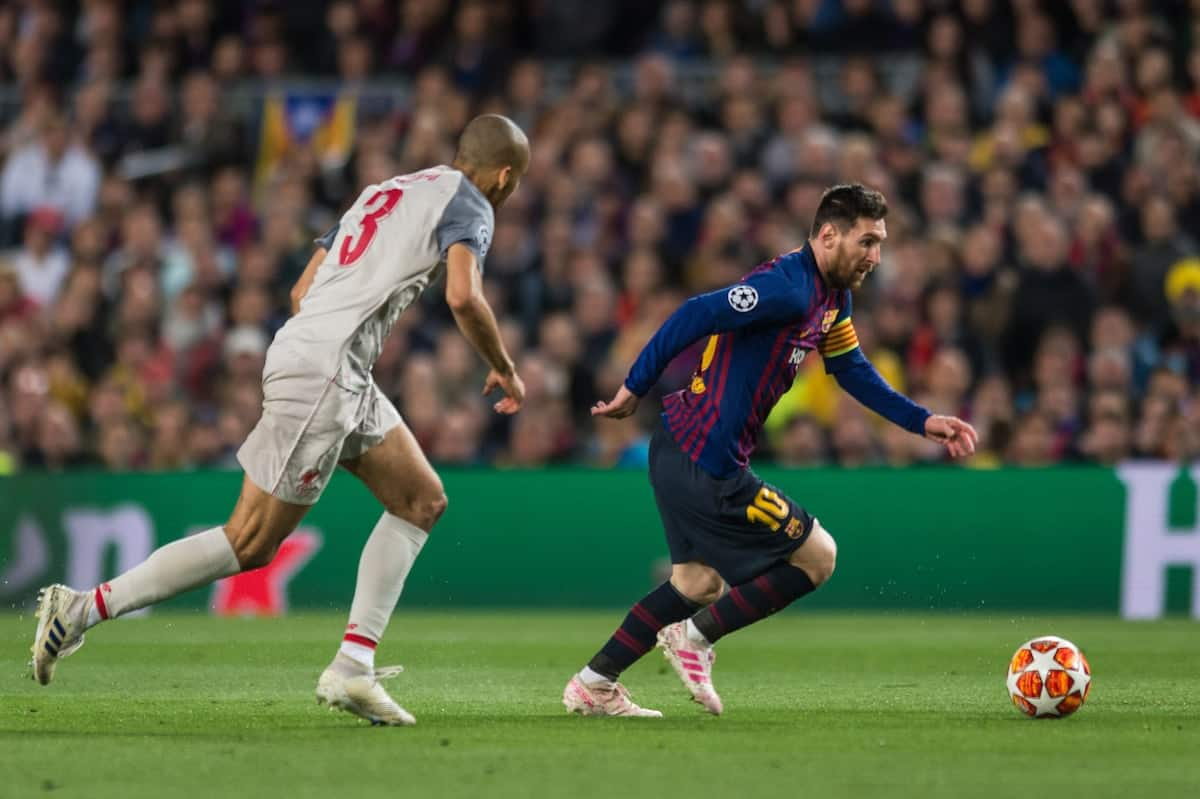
(622, 405)
(512, 385)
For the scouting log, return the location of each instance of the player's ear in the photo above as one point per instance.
(828, 235)
(503, 177)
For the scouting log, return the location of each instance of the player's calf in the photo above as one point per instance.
(773, 590)
(258, 525)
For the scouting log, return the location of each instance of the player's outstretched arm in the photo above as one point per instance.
(464, 295)
(859, 379)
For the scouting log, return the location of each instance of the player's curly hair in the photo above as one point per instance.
(845, 204)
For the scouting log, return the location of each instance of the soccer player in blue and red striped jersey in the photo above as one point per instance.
(723, 524)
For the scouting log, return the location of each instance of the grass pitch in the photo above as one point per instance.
(817, 705)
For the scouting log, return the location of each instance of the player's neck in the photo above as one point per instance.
(816, 254)
(473, 176)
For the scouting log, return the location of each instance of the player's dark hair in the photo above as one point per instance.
(492, 141)
(845, 204)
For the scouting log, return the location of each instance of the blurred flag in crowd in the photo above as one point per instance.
(298, 119)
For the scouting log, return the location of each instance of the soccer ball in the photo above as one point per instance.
(1049, 676)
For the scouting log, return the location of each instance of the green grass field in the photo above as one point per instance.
(816, 706)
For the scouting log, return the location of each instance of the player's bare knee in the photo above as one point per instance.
(818, 556)
(435, 506)
(708, 593)
(422, 509)
(700, 584)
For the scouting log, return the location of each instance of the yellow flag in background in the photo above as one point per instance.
(323, 122)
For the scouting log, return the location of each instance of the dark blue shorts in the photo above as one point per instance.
(740, 526)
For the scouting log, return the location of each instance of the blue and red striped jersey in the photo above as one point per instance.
(759, 332)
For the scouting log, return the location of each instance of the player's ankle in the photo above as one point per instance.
(589, 676)
(361, 654)
(94, 615)
(694, 635)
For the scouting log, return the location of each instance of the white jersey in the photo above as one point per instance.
(383, 253)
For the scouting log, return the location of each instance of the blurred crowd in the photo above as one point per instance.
(1040, 279)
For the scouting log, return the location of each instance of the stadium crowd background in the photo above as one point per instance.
(167, 165)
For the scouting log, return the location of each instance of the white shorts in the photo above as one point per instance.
(309, 423)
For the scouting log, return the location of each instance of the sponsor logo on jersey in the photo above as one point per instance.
(827, 320)
(797, 356)
(698, 386)
(743, 298)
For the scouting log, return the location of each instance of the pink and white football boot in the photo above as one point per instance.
(693, 663)
(602, 699)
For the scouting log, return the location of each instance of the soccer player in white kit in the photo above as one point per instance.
(322, 408)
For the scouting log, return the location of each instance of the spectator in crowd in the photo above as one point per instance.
(50, 171)
(1041, 277)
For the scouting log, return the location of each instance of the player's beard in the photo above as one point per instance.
(849, 271)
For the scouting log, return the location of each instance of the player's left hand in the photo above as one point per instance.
(623, 404)
(958, 436)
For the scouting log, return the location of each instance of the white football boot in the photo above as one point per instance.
(693, 663)
(62, 617)
(350, 686)
(602, 699)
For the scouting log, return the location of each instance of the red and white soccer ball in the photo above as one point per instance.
(1049, 677)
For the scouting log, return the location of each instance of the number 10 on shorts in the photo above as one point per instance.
(768, 508)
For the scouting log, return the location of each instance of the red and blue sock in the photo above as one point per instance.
(636, 635)
(773, 590)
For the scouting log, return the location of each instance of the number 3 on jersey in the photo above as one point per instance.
(769, 508)
(379, 206)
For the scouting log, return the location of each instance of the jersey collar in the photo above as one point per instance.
(808, 264)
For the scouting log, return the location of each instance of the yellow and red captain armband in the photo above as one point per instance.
(840, 339)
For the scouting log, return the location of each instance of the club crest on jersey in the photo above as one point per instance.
(743, 298)
(797, 356)
(827, 320)
(308, 482)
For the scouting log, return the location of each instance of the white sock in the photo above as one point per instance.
(590, 677)
(386, 560)
(694, 635)
(359, 653)
(170, 570)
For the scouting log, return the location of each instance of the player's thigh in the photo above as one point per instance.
(817, 556)
(697, 581)
(259, 523)
(400, 476)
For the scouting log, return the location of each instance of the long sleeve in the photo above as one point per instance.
(859, 379)
(762, 298)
